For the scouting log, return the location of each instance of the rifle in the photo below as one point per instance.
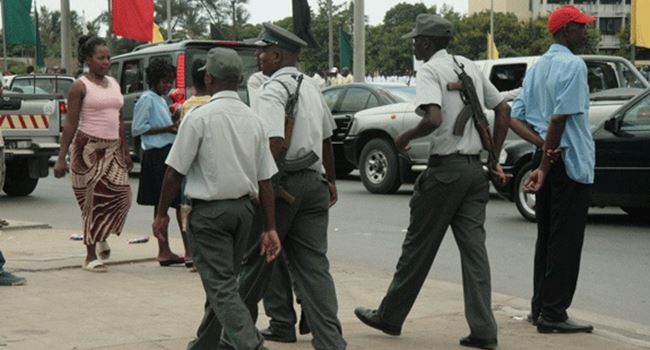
(282, 163)
(474, 109)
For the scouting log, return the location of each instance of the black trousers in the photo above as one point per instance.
(561, 210)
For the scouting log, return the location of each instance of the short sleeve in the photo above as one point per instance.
(142, 115)
(185, 147)
(427, 89)
(270, 108)
(266, 167)
(491, 96)
(518, 109)
(571, 90)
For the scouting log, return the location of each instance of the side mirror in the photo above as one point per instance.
(612, 125)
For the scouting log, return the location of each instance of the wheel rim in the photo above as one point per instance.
(527, 200)
(376, 167)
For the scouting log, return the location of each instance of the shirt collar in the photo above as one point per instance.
(439, 54)
(559, 48)
(225, 94)
(285, 70)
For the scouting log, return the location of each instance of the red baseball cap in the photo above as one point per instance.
(564, 15)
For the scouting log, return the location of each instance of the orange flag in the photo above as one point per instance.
(133, 19)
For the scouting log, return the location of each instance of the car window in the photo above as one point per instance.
(132, 79)
(331, 96)
(372, 101)
(44, 85)
(506, 77)
(400, 93)
(637, 118)
(601, 76)
(115, 73)
(355, 99)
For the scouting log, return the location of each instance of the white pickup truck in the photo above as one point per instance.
(29, 127)
(369, 142)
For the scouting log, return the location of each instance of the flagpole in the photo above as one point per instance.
(169, 20)
(330, 56)
(4, 38)
(66, 42)
(359, 69)
(490, 49)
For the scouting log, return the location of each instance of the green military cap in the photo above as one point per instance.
(276, 35)
(223, 63)
(430, 25)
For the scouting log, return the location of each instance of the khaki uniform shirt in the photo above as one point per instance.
(314, 122)
(222, 150)
(431, 88)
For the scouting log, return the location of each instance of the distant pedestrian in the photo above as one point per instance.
(8, 278)
(346, 76)
(152, 121)
(555, 102)
(453, 191)
(99, 158)
(223, 152)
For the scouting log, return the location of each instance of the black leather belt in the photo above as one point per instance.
(436, 159)
(195, 201)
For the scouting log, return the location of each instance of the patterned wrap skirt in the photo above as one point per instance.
(100, 181)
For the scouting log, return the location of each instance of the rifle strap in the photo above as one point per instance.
(282, 157)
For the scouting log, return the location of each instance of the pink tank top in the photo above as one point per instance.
(100, 109)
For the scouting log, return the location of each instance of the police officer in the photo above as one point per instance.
(302, 225)
(223, 152)
(453, 191)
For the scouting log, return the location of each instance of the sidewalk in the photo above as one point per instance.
(139, 305)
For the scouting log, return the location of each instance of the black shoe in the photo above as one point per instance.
(567, 326)
(534, 320)
(272, 334)
(480, 343)
(303, 326)
(371, 318)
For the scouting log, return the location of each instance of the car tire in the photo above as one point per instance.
(379, 167)
(17, 180)
(525, 202)
(637, 213)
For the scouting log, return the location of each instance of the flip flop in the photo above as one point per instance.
(177, 260)
(95, 266)
(103, 250)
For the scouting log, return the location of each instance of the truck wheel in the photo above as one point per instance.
(17, 180)
(525, 201)
(379, 167)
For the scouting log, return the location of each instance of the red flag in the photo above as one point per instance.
(133, 19)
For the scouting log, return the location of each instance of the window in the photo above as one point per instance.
(637, 118)
(43, 85)
(372, 101)
(601, 76)
(610, 25)
(331, 96)
(115, 71)
(132, 79)
(506, 77)
(355, 99)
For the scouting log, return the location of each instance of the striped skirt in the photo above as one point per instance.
(100, 181)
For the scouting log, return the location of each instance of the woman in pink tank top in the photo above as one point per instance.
(99, 158)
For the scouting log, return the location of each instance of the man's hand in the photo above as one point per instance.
(553, 154)
(160, 225)
(334, 196)
(271, 245)
(60, 167)
(500, 175)
(534, 181)
(402, 142)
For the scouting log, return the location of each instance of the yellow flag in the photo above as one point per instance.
(492, 52)
(157, 36)
(639, 28)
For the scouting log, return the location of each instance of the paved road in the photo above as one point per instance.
(367, 231)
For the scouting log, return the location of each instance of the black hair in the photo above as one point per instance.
(197, 75)
(86, 48)
(159, 69)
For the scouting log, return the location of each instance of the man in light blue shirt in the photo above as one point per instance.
(555, 104)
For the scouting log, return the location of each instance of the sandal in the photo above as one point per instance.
(95, 266)
(103, 250)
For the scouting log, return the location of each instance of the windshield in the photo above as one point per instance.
(44, 85)
(400, 93)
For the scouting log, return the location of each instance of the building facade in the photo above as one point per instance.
(611, 14)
